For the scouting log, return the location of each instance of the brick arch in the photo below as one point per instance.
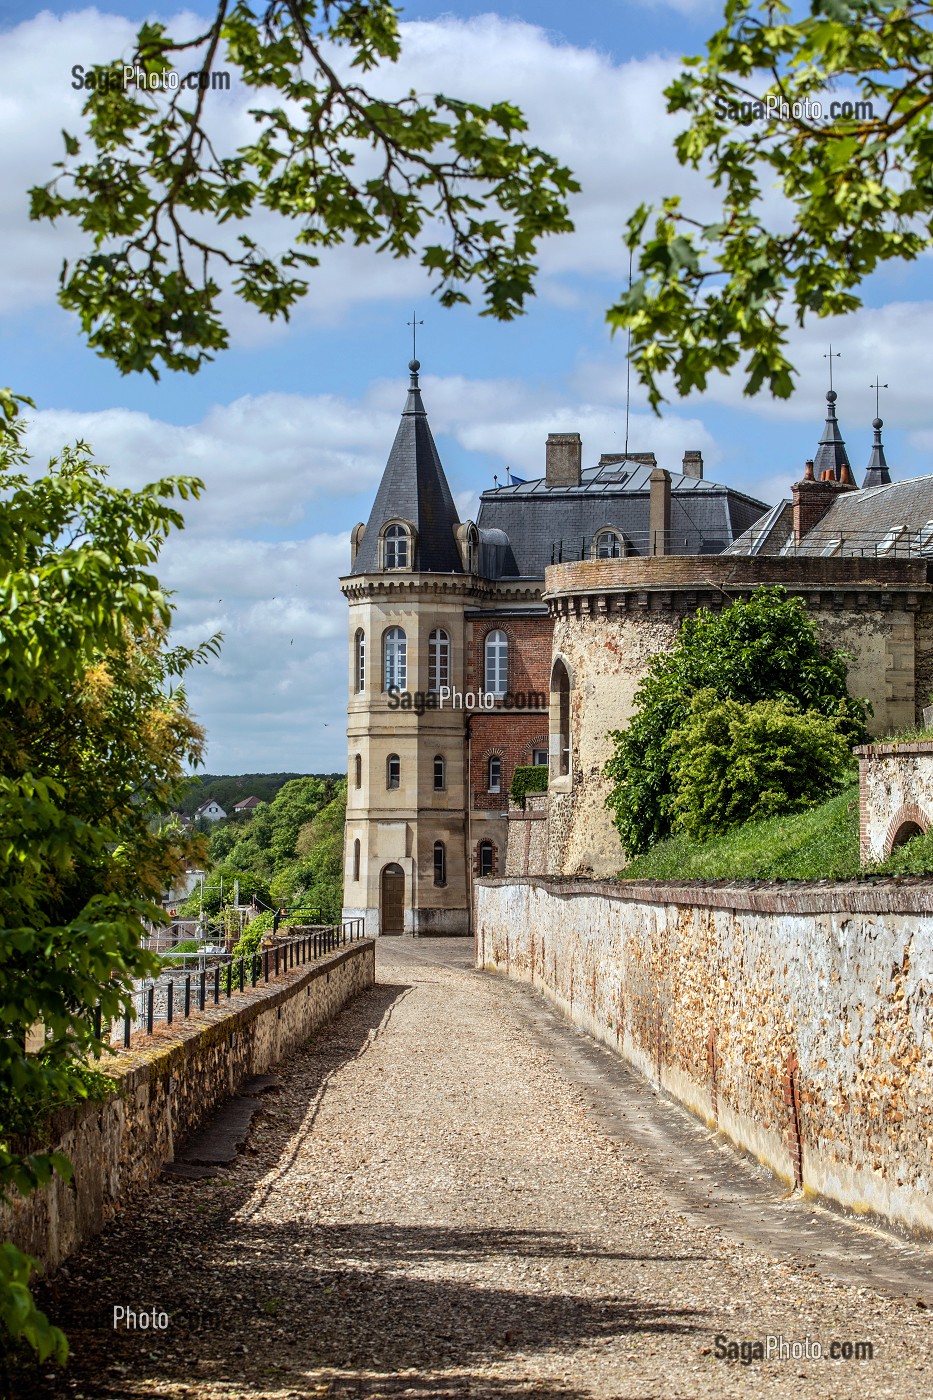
(907, 814)
(541, 743)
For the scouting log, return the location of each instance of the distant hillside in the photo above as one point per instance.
(230, 788)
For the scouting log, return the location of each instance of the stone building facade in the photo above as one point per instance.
(451, 651)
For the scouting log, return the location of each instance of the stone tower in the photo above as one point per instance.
(409, 581)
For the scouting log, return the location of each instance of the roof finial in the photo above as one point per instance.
(830, 357)
(877, 388)
(414, 323)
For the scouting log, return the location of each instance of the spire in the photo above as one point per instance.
(877, 474)
(414, 491)
(831, 452)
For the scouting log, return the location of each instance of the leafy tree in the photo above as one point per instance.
(765, 648)
(733, 763)
(856, 181)
(150, 185)
(95, 735)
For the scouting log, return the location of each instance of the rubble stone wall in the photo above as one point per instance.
(797, 1021)
(166, 1086)
(895, 795)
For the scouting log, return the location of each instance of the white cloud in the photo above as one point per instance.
(278, 688)
(607, 121)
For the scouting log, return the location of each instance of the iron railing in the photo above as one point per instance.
(167, 999)
(898, 542)
(633, 544)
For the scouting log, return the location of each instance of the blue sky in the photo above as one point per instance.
(291, 426)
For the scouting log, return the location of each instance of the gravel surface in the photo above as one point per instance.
(428, 1207)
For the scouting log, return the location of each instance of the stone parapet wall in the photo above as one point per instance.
(895, 789)
(796, 1020)
(166, 1086)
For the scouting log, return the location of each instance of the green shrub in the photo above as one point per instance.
(765, 648)
(732, 763)
(530, 778)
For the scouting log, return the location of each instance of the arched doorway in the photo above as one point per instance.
(906, 832)
(392, 907)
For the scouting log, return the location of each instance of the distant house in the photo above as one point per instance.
(211, 810)
(246, 805)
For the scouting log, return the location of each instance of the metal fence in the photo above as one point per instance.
(899, 542)
(166, 999)
(633, 544)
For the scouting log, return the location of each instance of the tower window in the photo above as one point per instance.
(440, 863)
(486, 861)
(358, 770)
(356, 859)
(395, 660)
(608, 545)
(497, 663)
(494, 774)
(438, 659)
(393, 771)
(360, 660)
(395, 545)
(440, 772)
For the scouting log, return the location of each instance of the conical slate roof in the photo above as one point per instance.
(832, 449)
(414, 489)
(878, 473)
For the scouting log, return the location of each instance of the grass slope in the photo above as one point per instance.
(819, 844)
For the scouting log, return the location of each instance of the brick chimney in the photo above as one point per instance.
(659, 511)
(563, 457)
(693, 465)
(812, 499)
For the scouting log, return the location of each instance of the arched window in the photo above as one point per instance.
(487, 858)
(440, 863)
(395, 659)
(494, 773)
(359, 663)
(356, 859)
(560, 710)
(608, 545)
(395, 546)
(472, 549)
(358, 770)
(497, 663)
(393, 771)
(440, 772)
(438, 659)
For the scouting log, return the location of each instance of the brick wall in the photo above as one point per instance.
(796, 1020)
(510, 734)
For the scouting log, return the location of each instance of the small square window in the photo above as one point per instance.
(539, 758)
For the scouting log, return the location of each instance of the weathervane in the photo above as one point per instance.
(830, 357)
(414, 335)
(877, 388)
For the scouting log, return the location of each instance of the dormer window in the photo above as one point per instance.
(395, 546)
(610, 545)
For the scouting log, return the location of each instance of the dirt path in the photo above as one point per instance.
(434, 1204)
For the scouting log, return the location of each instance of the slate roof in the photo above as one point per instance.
(863, 520)
(414, 489)
(549, 524)
(877, 473)
(894, 520)
(831, 452)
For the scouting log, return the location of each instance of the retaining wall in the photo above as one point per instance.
(795, 1019)
(166, 1086)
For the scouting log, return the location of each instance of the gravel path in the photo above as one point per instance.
(429, 1207)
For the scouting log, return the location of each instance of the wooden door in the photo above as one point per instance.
(392, 913)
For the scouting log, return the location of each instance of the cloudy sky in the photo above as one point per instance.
(291, 427)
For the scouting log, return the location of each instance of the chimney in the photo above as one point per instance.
(659, 511)
(563, 458)
(812, 499)
(693, 465)
(808, 470)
